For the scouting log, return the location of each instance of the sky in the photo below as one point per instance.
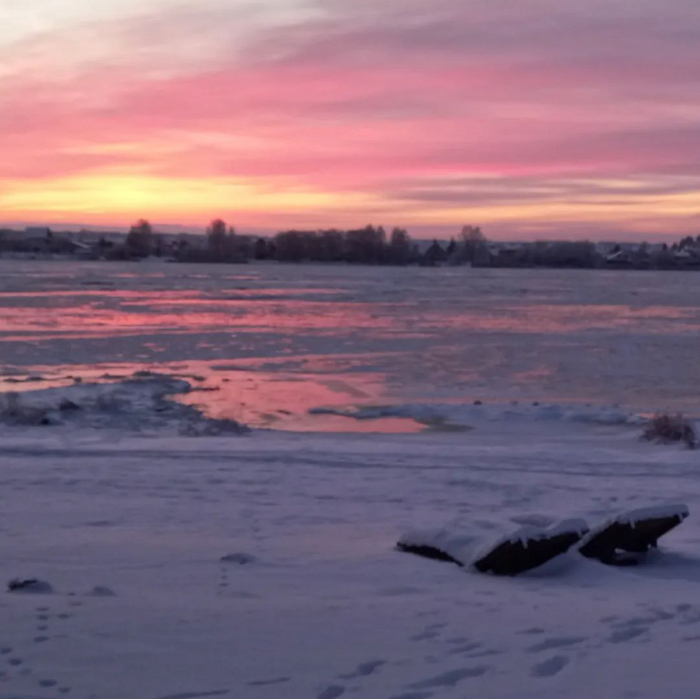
(537, 119)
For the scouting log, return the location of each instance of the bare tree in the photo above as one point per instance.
(139, 241)
(399, 246)
(216, 237)
(472, 242)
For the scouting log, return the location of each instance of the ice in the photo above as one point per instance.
(468, 414)
(408, 337)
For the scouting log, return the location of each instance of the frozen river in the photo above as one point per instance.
(271, 342)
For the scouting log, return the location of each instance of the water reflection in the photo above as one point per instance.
(260, 399)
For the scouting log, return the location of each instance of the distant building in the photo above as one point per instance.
(620, 259)
(37, 232)
(434, 255)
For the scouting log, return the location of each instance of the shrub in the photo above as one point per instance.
(670, 428)
(14, 412)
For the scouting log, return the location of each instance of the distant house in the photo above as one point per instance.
(9, 235)
(687, 257)
(619, 259)
(508, 255)
(434, 255)
(35, 240)
(37, 232)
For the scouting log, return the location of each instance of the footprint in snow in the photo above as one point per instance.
(466, 648)
(550, 667)
(101, 591)
(485, 653)
(197, 695)
(449, 679)
(627, 634)
(44, 617)
(364, 669)
(240, 559)
(550, 643)
(264, 683)
(425, 636)
(332, 692)
(431, 631)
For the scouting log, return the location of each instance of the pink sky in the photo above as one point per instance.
(546, 118)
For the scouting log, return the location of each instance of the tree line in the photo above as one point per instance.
(368, 245)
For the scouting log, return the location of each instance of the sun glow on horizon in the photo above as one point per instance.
(300, 113)
(115, 197)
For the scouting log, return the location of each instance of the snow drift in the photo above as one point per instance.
(142, 403)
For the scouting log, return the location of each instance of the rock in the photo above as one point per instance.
(31, 585)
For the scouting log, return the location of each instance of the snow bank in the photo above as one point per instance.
(143, 402)
(434, 415)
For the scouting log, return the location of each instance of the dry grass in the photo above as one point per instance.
(666, 428)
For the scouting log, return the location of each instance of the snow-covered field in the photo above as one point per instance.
(321, 605)
(188, 559)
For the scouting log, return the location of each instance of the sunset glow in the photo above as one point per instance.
(547, 118)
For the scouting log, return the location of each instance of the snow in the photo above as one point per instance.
(657, 512)
(469, 546)
(142, 402)
(437, 415)
(458, 546)
(638, 514)
(569, 526)
(324, 603)
(263, 565)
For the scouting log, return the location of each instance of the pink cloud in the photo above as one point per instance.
(390, 99)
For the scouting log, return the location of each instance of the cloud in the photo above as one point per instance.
(409, 109)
